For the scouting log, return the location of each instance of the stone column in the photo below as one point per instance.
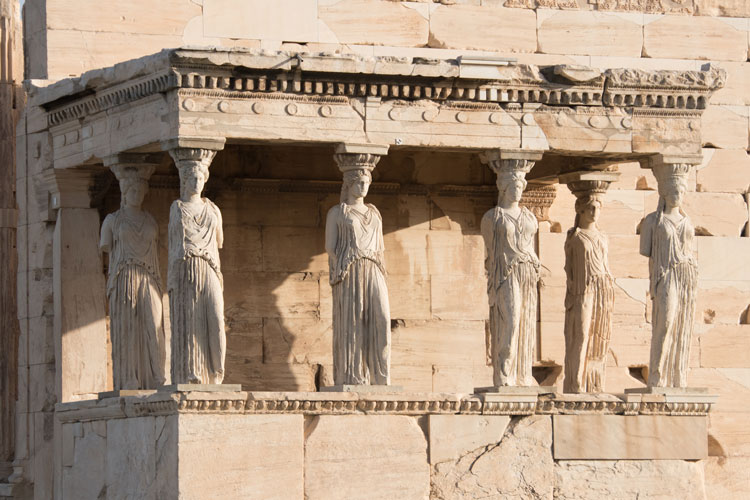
(11, 102)
(354, 242)
(509, 231)
(194, 279)
(589, 296)
(80, 328)
(668, 240)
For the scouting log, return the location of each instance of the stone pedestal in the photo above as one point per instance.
(364, 389)
(171, 445)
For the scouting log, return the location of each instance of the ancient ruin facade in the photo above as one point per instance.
(336, 329)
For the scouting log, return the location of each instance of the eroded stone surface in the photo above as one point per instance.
(596, 479)
(518, 466)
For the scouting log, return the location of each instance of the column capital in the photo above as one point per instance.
(193, 149)
(142, 163)
(587, 182)
(510, 160)
(660, 160)
(68, 188)
(350, 156)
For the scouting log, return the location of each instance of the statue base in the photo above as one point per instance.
(516, 390)
(201, 388)
(125, 392)
(669, 391)
(364, 389)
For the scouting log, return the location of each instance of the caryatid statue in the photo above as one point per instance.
(130, 236)
(512, 265)
(195, 284)
(667, 239)
(590, 293)
(354, 242)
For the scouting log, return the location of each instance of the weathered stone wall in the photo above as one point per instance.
(278, 299)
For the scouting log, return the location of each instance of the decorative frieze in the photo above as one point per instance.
(331, 78)
(332, 403)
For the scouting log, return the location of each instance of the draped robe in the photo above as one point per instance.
(589, 303)
(512, 277)
(196, 297)
(135, 308)
(361, 311)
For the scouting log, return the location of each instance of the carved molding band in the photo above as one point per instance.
(391, 404)
(348, 76)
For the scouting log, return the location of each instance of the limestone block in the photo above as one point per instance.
(406, 252)
(551, 342)
(458, 213)
(130, 459)
(274, 209)
(297, 340)
(458, 297)
(241, 456)
(84, 478)
(72, 52)
(625, 260)
(438, 342)
(727, 477)
(702, 37)
(274, 295)
(243, 249)
(411, 377)
(729, 8)
(161, 18)
(719, 346)
(518, 466)
(43, 455)
(461, 378)
(735, 89)
(629, 437)
(42, 395)
(621, 213)
(712, 214)
(732, 385)
(552, 256)
(630, 345)
(41, 349)
(729, 434)
(717, 258)
(366, 457)
(294, 249)
(589, 33)
(409, 296)
(371, 22)
(562, 213)
(725, 127)
(552, 303)
(258, 19)
(483, 28)
(724, 171)
(722, 302)
(452, 436)
(595, 479)
(451, 252)
(631, 300)
(274, 377)
(632, 176)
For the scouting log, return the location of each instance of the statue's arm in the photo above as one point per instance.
(105, 243)
(332, 231)
(646, 229)
(219, 229)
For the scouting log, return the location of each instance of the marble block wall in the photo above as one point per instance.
(279, 331)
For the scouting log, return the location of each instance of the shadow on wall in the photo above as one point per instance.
(274, 201)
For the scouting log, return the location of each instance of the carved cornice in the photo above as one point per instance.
(261, 75)
(390, 404)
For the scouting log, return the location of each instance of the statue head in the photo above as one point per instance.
(193, 177)
(587, 209)
(510, 185)
(133, 181)
(672, 182)
(356, 183)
